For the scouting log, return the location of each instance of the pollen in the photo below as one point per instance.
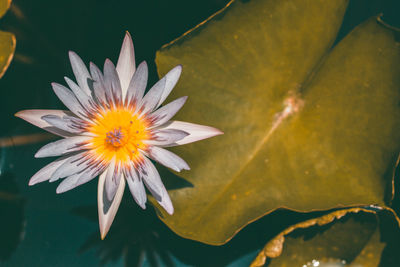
(115, 137)
(119, 133)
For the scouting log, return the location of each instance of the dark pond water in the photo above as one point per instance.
(41, 228)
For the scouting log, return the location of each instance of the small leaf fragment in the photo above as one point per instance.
(7, 41)
(348, 236)
(4, 6)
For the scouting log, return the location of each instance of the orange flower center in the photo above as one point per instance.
(118, 133)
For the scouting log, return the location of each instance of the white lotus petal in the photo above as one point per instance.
(112, 82)
(164, 114)
(172, 78)
(156, 187)
(151, 99)
(68, 183)
(69, 99)
(81, 95)
(88, 176)
(151, 178)
(34, 116)
(137, 188)
(166, 137)
(166, 203)
(63, 146)
(80, 71)
(106, 209)
(78, 179)
(196, 131)
(126, 63)
(45, 173)
(137, 85)
(168, 159)
(112, 179)
(63, 123)
(98, 83)
(74, 164)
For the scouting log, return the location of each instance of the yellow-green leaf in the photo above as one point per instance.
(7, 48)
(306, 128)
(348, 237)
(4, 6)
(7, 41)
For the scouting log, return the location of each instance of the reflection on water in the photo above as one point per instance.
(139, 238)
(134, 236)
(12, 222)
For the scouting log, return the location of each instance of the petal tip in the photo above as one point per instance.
(216, 131)
(177, 169)
(175, 72)
(24, 114)
(170, 210)
(40, 153)
(167, 204)
(72, 54)
(108, 63)
(54, 85)
(143, 63)
(128, 36)
(19, 114)
(104, 228)
(103, 235)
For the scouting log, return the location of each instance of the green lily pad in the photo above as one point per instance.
(4, 6)
(342, 238)
(7, 41)
(7, 48)
(306, 127)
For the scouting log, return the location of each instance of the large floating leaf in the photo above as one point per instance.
(7, 41)
(342, 238)
(306, 128)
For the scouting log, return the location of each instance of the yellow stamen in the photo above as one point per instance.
(118, 132)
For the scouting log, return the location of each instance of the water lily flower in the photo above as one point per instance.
(112, 129)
